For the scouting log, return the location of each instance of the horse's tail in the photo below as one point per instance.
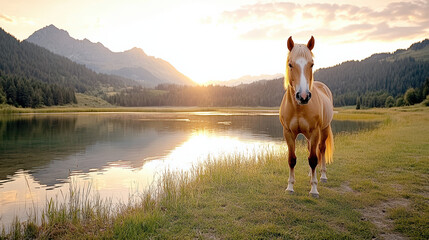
(329, 152)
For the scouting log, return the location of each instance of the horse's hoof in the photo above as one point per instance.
(315, 195)
(290, 191)
(323, 180)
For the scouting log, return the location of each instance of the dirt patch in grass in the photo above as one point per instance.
(425, 192)
(205, 235)
(345, 188)
(378, 216)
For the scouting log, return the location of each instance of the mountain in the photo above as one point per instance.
(31, 61)
(244, 80)
(378, 76)
(133, 64)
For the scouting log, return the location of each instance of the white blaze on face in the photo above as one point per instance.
(303, 86)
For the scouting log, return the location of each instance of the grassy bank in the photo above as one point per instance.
(377, 188)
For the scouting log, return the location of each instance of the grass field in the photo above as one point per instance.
(378, 187)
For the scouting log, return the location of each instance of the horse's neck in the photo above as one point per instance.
(289, 92)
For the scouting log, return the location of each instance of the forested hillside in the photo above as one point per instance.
(27, 60)
(262, 93)
(374, 79)
(23, 92)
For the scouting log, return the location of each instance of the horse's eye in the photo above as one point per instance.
(312, 65)
(290, 65)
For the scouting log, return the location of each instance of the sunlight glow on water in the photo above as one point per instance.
(21, 194)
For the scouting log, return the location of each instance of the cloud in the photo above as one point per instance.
(334, 21)
(270, 32)
(5, 18)
(385, 32)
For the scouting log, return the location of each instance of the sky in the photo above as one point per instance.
(227, 39)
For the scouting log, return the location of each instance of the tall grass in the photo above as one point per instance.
(82, 213)
(179, 192)
(67, 213)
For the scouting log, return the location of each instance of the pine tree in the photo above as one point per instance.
(411, 97)
(390, 102)
(2, 96)
(358, 103)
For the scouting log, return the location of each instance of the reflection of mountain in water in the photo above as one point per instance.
(54, 146)
(131, 150)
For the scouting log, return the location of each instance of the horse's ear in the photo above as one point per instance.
(290, 43)
(310, 43)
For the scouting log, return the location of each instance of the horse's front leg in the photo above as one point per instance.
(312, 161)
(290, 140)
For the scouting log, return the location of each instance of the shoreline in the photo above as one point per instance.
(9, 109)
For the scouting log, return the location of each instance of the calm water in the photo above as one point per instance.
(119, 154)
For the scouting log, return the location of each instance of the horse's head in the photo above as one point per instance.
(299, 70)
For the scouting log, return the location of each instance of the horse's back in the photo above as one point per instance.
(326, 102)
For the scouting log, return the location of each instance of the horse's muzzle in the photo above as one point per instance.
(303, 98)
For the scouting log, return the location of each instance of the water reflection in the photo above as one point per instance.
(118, 154)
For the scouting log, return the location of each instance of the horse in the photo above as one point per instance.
(307, 108)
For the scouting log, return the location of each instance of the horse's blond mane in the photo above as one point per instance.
(298, 51)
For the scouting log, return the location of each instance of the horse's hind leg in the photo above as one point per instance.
(308, 147)
(290, 140)
(313, 161)
(322, 149)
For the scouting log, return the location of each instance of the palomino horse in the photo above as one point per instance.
(306, 108)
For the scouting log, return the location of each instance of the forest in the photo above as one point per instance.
(262, 93)
(23, 92)
(373, 80)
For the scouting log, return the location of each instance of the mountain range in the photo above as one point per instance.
(132, 64)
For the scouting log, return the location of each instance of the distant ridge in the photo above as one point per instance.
(133, 64)
(245, 80)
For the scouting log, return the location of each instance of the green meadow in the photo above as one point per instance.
(378, 187)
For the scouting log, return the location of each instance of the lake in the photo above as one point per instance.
(120, 154)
